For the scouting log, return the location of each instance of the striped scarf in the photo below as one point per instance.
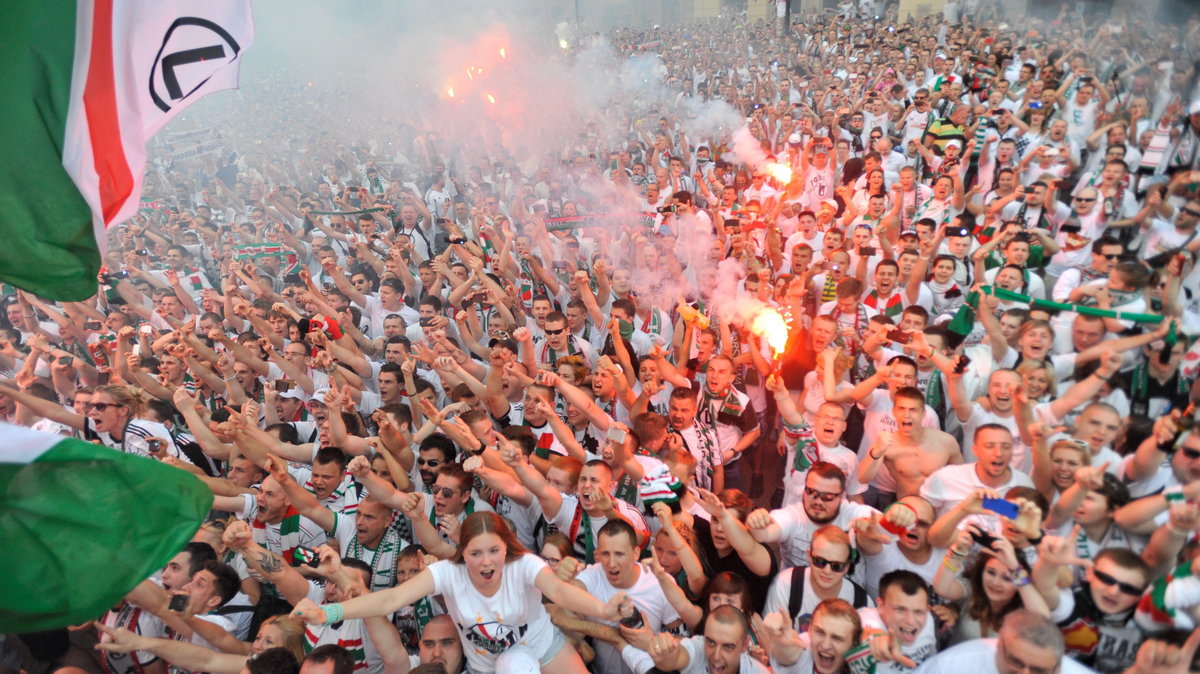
(891, 307)
(829, 291)
(1164, 606)
(289, 534)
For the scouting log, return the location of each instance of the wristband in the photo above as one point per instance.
(1174, 494)
(333, 613)
(1019, 577)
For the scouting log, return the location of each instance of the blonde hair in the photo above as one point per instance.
(1027, 366)
(1084, 451)
(130, 397)
(293, 633)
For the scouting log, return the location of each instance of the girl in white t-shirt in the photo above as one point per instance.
(493, 590)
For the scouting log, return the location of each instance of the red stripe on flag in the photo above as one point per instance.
(104, 128)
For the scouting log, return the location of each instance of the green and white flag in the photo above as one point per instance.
(82, 524)
(86, 84)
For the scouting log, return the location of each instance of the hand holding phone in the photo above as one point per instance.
(1001, 507)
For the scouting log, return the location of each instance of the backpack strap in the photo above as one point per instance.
(796, 594)
(860, 595)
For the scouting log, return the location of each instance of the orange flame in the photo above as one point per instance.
(503, 53)
(470, 73)
(780, 172)
(450, 92)
(769, 324)
(491, 99)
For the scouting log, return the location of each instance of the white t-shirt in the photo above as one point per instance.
(920, 650)
(779, 596)
(891, 559)
(950, 485)
(489, 626)
(640, 661)
(796, 529)
(978, 656)
(647, 596)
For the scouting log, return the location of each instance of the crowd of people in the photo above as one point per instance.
(467, 410)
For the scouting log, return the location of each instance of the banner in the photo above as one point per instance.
(256, 251)
(198, 150)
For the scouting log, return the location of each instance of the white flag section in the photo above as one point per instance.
(138, 63)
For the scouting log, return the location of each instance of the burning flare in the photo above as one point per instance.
(491, 99)
(450, 92)
(769, 324)
(503, 53)
(780, 172)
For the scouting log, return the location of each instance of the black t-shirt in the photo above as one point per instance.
(715, 563)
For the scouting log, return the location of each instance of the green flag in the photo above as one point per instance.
(82, 524)
(86, 84)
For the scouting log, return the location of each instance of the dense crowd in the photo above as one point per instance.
(896, 375)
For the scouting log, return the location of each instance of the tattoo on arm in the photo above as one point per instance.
(270, 562)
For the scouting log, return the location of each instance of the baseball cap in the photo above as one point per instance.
(832, 203)
(510, 344)
(318, 396)
(294, 392)
(1195, 107)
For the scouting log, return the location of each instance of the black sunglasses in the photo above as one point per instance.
(446, 492)
(1084, 200)
(432, 463)
(836, 567)
(1194, 214)
(101, 407)
(824, 496)
(1191, 454)
(1108, 580)
(559, 331)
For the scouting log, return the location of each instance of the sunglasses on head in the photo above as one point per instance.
(101, 407)
(1108, 580)
(836, 567)
(824, 496)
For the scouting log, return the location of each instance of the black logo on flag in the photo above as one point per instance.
(189, 40)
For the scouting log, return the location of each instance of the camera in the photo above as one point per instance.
(899, 336)
(673, 208)
(866, 251)
(957, 231)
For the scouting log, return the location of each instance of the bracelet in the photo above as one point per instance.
(1174, 494)
(954, 552)
(1019, 577)
(333, 613)
(1036, 541)
(946, 563)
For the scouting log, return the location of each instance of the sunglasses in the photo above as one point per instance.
(1104, 578)
(446, 492)
(1194, 214)
(432, 463)
(559, 331)
(1109, 256)
(101, 407)
(824, 496)
(836, 567)
(1191, 454)
(1084, 200)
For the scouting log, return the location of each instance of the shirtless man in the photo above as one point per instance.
(912, 452)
